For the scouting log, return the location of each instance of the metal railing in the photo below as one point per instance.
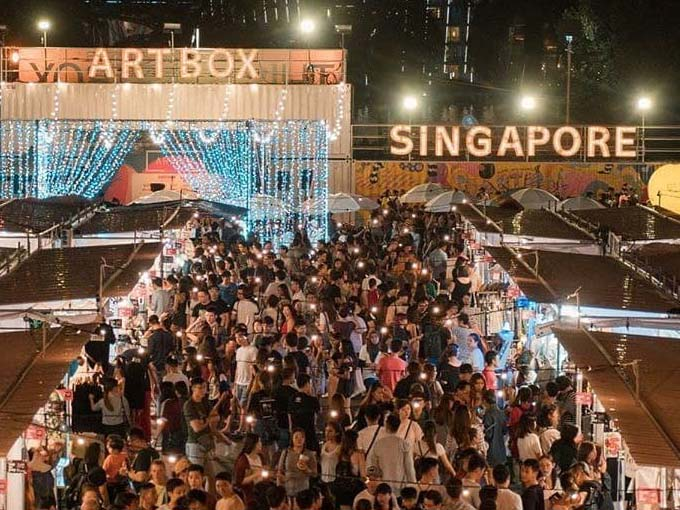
(371, 142)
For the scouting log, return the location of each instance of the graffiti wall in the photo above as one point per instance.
(562, 179)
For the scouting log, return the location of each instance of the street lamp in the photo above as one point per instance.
(307, 26)
(44, 25)
(644, 104)
(527, 103)
(410, 103)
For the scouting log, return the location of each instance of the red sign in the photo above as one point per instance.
(513, 291)
(65, 394)
(3, 486)
(35, 432)
(583, 398)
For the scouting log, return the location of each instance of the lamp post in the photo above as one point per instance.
(644, 104)
(409, 103)
(44, 25)
(307, 28)
(570, 39)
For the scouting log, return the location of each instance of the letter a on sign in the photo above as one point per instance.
(100, 62)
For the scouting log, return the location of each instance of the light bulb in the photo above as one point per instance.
(265, 473)
(102, 332)
(195, 289)
(172, 459)
(374, 309)
(199, 357)
(250, 419)
(80, 441)
(383, 330)
(271, 368)
(179, 334)
(423, 375)
(416, 405)
(334, 413)
(360, 265)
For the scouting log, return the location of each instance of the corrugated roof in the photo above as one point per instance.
(38, 215)
(530, 222)
(649, 442)
(604, 282)
(135, 218)
(73, 273)
(635, 223)
(39, 380)
(663, 257)
(150, 217)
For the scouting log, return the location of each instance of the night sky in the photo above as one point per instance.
(621, 48)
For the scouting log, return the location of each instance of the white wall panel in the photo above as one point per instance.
(83, 101)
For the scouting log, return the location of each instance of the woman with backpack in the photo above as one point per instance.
(114, 408)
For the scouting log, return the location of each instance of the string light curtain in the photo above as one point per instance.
(215, 159)
(272, 168)
(80, 158)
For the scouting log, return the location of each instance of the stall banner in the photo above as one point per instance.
(612, 444)
(565, 180)
(65, 394)
(35, 432)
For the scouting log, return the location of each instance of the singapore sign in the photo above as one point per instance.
(514, 142)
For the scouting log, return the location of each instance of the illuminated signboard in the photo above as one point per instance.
(513, 142)
(187, 65)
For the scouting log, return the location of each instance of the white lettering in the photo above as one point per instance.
(229, 61)
(598, 137)
(442, 139)
(575, 141)
(423, 140)
(625, 137)
(534, 141)
(247, 64)
(401, 135)
(158, 54)
(100, 62)
(190, 63)
(510, 141)
(478, 147)
(134, 63)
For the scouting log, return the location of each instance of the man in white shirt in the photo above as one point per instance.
(392, 455)
(370, 434)
(245, 309)
(160, 298)
(506, 500)
(172, 372)
(246, 355)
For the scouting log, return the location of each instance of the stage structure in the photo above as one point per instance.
(270, 167)
(265, 129)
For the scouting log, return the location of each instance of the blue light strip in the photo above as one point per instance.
(277, 169)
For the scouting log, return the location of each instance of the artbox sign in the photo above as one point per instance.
(220, 63)
(192, 65)
(513, 142)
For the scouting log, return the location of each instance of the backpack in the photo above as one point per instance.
(343, 329)
(431, 343)
(71, 497)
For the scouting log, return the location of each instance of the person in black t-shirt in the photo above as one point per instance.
(282, 397)
(303, 408)
(532, 495)
(161, 343)
(301, 359)
(139, 472)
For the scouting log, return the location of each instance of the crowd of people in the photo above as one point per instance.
(346, 374)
